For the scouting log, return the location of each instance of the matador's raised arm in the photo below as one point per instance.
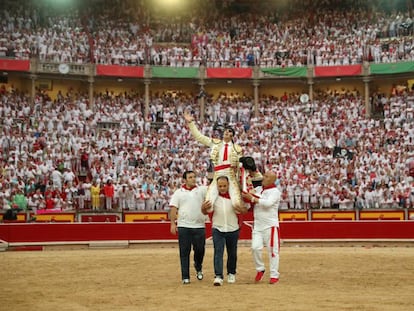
(198, 136)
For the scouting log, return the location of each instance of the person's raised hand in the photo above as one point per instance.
(188, 116)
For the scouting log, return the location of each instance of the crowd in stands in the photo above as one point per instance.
(62, 154)
(320, 33)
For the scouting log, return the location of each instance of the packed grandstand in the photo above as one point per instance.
(61, 148)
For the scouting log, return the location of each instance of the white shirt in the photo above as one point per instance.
(56, 176)
(188, 204)
(266, 210)
(224, 217)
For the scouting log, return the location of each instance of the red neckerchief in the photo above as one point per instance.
(189, 189)
(225, 195)
(268, 187)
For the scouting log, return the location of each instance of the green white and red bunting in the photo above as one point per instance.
(226, 73)
(338, 71)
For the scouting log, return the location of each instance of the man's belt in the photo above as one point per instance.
(221, 167)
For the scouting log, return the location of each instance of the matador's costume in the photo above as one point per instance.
(225, 163)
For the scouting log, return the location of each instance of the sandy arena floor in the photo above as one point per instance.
(148, 278)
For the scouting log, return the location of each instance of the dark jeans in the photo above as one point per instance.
(229, 239)
(188, 237)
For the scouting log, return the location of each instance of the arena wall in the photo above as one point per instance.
(119, 85)
(275, 87)
(24, 234)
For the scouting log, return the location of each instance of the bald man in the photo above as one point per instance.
(265, 199)
(225, 231)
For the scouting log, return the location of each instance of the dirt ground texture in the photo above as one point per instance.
(148, 278)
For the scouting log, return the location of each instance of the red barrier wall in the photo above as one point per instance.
(143, 231)
(348, 230)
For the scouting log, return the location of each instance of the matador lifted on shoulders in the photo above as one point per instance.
(225, 156)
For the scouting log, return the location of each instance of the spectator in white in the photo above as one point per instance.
(291, 194)
(298, 196)
(122, 197)
(80, 195)
(57, 178)
(140, 197)
(306, 196)
(150, 201)
(68, 176)
(131, 198)
(71, 193)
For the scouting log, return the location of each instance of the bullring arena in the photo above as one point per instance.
(324, 266)
(92, 96)
(147, 278)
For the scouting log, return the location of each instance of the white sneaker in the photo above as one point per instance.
(199, 275)
(231, 278)
(186, 281)
(218, 281)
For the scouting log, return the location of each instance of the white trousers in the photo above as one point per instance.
(270, 239)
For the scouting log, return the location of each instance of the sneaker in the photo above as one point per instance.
(231, 278)
(199, 275)
(186, 281)
(259, 276)
(273, 280)
(218, 281)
